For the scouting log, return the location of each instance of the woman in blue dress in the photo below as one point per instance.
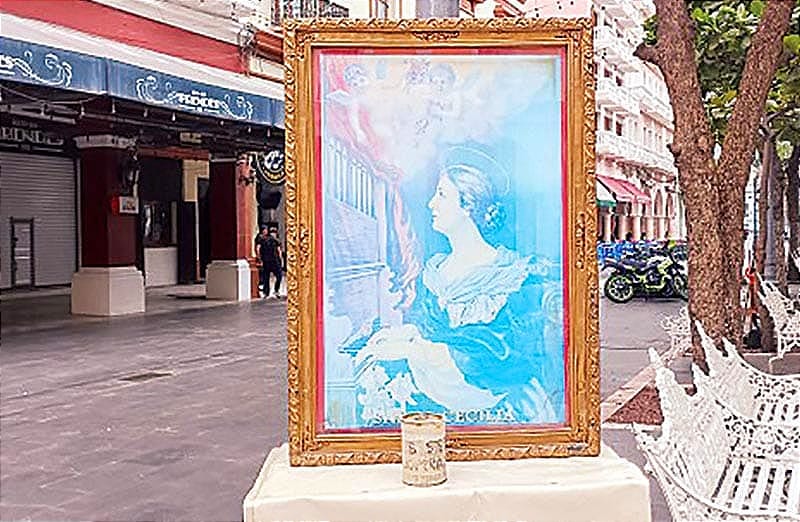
(473, 340)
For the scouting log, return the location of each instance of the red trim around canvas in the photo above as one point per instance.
(320, 353)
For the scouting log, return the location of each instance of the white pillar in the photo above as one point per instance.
(607, 226)
(637, 228)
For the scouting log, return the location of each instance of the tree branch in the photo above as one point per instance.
(675, 55)
(759, 69)
(780, 113)
(647, 53)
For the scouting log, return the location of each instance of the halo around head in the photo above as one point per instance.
(472, 157)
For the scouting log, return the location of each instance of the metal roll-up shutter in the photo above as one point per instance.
(41, 188)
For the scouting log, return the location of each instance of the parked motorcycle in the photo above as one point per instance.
(660, 275)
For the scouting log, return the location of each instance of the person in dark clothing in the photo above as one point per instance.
(271, 260)
(259, 241)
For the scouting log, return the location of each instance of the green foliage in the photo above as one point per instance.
(723, 31)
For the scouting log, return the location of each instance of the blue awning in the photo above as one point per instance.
(52, 67)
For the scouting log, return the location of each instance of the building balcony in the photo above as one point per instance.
(632, 17)
(666, 163)
(609, 145)
(613, 8)
(620, 149)
(279, 10)
(634, 154)
(641, 156)
(616, 98)
(652, 105)
(649, 158)
(614, 49)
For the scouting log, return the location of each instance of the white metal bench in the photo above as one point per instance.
(785, 316)
(679, 331)
(714, 465)
(747, 390)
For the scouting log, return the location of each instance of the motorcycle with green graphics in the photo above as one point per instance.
(660, 275)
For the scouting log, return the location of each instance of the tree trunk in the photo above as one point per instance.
(793, 208)
(765, 253)
(739, 145)
(763, 206)
(714, 192)
(777, 196)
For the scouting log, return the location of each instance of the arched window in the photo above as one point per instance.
(671, 205)
(659, 210)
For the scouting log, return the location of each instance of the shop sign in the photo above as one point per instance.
(22, 138)
(269, 166)
(150, 90)
(172, 92)
(40, 65)
(191, 137)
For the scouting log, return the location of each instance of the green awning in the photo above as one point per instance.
(604, 196)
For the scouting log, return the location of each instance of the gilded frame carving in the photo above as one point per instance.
(581, 436)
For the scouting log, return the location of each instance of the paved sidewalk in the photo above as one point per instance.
(49, 308)
(162, 417)
(169, 415)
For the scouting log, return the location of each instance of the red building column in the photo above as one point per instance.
(107, 282)
(231, 199)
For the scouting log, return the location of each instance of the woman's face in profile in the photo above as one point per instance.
(446, 207)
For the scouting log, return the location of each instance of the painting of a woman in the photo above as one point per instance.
(442, 240)
(472, 343)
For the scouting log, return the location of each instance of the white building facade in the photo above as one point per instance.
(634, 127)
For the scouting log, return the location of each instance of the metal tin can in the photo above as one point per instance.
(423, 441)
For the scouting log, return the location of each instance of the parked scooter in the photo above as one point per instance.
(658, 275)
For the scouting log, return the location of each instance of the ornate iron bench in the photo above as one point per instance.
(714, 465)
(786, 317)
(678, 329)
(748, 391)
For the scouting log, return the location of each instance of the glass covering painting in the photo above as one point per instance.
(442, 216)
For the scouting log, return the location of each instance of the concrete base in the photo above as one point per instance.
(606, 488)
(114, 290)
(228, 280)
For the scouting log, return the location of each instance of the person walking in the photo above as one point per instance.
(260, 242)
(271, 260)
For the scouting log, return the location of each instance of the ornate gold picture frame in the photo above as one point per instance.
(440, 205)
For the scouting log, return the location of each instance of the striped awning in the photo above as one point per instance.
(624, 190)
(604, 196)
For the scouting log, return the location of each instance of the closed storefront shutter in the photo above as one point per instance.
(41, 188)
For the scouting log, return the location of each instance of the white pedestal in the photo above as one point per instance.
(161, 266)
(228, 280)
(113, 290)
(606, 488)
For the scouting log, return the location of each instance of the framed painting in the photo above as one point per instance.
(440, 215)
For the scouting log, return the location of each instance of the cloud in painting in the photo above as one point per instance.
(417, 105)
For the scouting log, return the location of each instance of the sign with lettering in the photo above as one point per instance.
(269, 166)
(155, 88)
(52, 67)
(23, 136)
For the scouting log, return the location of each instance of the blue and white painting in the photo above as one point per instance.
(442, 231)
